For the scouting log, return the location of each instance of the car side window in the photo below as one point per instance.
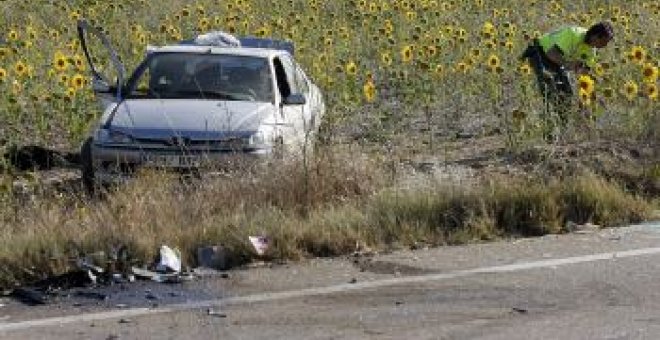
(283, 84)
(301, 80)
(290, 70)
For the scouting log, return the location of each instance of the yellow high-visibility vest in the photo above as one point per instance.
(571, 42)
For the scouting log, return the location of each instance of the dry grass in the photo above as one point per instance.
(343, 210)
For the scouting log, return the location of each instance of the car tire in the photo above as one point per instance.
(87, 167)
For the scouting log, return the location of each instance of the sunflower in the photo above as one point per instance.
(74, 15)
(493, 62)
(4, 52)
(386, 59)
(490, 44)
(77, 82)
(407, 53)
(369, 90)
(431, 51)
(475, 52)
(60, 62)
(585, 97)
(20, 68)
(637, 54)
(525, 69)
(630, 89)
(351, 68)
(509, 45)
(203, 24)
(439, 69)
(411, 16)
(651, 91)
(262, 31)
(185, 12)
(488, 30)
(586, 83)
(599, 70)
(12, 35)
(3, 75)
(650, 73)
(69, 94)
(462, 67)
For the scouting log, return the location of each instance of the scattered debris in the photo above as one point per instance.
(585, 228)
(519, 310)
(170, 260)
(93, 271)
(215, 257)
(92, 295)
(161, 277)
(215, 313)
(30, 296)
(260, 244)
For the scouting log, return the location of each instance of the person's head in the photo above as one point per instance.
(600, 34)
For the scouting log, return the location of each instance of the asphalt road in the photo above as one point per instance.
(596, 285)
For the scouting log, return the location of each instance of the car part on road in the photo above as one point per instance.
(260, 244)
(216, 257)
(170, 260)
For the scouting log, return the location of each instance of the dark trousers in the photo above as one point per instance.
(553, 81)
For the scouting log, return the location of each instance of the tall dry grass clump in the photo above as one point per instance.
(45, 231)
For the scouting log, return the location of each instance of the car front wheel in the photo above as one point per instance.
(87, 166)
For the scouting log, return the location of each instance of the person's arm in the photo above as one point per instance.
(556, 55)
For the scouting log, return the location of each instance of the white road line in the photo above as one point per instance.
(346, 287)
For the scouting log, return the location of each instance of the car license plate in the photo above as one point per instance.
(172, 161)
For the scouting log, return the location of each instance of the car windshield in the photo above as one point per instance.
(203, 76)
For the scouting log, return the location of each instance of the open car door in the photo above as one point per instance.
(108, 73)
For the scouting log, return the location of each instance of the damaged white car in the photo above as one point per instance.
(196, 104)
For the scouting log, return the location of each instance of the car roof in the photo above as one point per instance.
(243, 51)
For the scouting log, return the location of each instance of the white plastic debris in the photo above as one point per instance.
(260, 244)
(217, 38)
(169, 260)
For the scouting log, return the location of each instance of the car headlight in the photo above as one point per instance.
(114, 137)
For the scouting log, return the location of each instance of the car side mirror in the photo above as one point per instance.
(295, 99)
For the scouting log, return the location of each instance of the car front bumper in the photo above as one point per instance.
(114, 164)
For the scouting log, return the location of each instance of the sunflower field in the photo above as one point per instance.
(383, 64)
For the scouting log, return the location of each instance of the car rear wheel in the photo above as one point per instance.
(87, 167)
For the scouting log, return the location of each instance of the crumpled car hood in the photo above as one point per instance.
(149, 118)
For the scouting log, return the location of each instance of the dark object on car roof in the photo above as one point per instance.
(257, 43)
